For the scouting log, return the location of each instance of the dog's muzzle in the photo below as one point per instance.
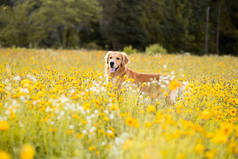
(112, 67)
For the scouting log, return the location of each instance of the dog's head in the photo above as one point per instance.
(116, 60)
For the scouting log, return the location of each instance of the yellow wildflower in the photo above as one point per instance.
(75, 116)
(92, 148)
(199, 148)
(210, 154)
(86, 106)
(123, 114)
(206, 114)
(232, 111)
(143, 84)
(128, 144)
(148, 124)
(4, 125)
(141, 111)
(106, 119)
(84, 122)
(114, 107)
(232, 147)
(174, 84)
(178, 108)
(226, 128)
(79, 136)
(132, 122)
(25, 83)
(236, 128)
(27, 152)
(181, 156)
(219, 137)
(151, 108)
(4, 155)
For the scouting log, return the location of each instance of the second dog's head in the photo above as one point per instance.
(116, 60)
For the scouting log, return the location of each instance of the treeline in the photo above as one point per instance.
(177, 25)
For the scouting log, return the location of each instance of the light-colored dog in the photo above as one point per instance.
(116, 69)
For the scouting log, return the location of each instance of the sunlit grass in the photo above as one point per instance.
(56, 104)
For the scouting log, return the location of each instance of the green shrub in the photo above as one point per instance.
(155, 49)
(129, 50)
(92, 46)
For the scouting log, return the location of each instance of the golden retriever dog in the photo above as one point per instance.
(116, 70)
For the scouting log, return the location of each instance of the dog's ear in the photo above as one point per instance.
(125, 58)
(107, 56)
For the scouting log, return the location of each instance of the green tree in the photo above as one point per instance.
(178, 25)
(229, 27)
(47, 23)
(152, 20)
(14, 25)
(121, 23)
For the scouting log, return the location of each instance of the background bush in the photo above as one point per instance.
(155, 49)
(92, 46)
(129, 50)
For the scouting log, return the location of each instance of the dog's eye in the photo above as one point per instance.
(110, 57)
(118, 58)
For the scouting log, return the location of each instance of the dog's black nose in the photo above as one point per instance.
(111, 64)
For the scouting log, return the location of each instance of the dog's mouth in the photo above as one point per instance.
(112, 69)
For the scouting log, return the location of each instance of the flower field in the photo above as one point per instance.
(57, 104)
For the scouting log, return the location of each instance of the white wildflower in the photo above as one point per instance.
(92, 129)
(23, 99)
(63, 99)
(7, 112)
(47, 109)
(71, 126)
(84, 131)
(17, 78)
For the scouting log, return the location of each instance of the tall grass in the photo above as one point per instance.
(56, 104)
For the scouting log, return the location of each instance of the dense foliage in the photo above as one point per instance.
(178, 25)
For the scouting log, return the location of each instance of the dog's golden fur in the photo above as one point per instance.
(119, 70)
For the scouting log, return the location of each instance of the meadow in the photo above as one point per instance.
(56, 104)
